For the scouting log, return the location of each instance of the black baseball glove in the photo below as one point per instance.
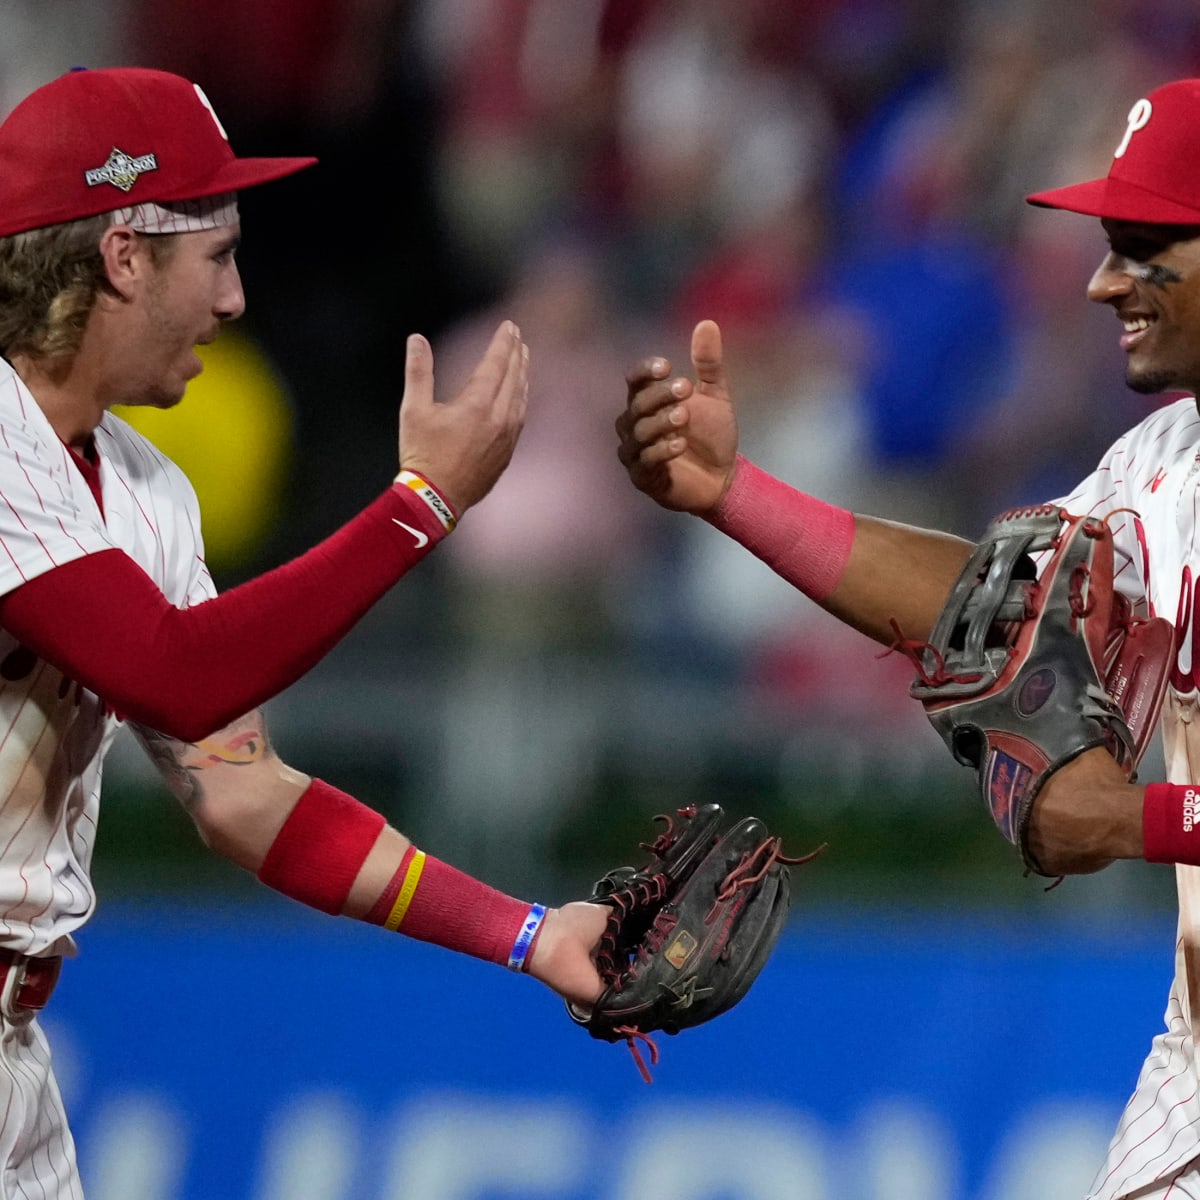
(689, 931)
(1025, 670)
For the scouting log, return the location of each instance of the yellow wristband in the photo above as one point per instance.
(411, 878)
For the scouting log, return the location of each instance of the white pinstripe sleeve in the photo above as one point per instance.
(200, 586)
(1137, 486)
(1124, 490)
(47, 514)
(153, 513)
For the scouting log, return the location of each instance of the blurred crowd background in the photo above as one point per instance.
(840, 184)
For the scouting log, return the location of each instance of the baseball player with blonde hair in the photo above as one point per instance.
(118, 234)
(678, 440)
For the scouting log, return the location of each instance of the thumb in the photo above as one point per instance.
(418, 371)
(707, 360)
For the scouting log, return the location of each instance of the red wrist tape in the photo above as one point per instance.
(1171, 824)
(321, 848)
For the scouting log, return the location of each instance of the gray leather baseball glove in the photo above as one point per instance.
(1025, 670)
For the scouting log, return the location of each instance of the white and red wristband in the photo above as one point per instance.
(437, 503)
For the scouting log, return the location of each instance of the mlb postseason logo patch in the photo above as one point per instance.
(121, 170)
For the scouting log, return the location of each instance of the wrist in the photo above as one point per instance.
(435, 500)
(1171, 823)
(561, 957)
(801, 538)
(541, 956)
(520, 957)
(716, 514)
(431, 901)
(1085, 817)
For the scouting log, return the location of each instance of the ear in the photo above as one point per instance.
(125, 259)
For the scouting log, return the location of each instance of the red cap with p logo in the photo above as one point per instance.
(91, 142)
(1155, 172)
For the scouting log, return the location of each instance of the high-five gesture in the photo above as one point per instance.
(463, 445)
(678, 436)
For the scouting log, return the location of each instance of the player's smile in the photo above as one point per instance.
(1136, 326)
(1151, 280)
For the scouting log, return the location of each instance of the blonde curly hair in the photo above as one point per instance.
(49, 281)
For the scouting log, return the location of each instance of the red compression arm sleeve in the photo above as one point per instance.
(798, 536)
(186, 672)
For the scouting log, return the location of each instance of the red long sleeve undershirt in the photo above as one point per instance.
(188, 672)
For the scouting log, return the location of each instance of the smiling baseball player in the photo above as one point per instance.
(678, 440)
(118, 233)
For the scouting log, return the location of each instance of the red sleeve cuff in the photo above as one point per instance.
(1171, 824)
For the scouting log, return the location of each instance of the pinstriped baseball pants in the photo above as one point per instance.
(37, 1151)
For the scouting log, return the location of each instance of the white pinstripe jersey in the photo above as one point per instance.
(54, 733)
(1154, 470)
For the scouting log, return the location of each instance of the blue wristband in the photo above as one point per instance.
(529, 929)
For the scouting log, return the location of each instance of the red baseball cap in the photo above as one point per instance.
(1155, 172)
(93, 141)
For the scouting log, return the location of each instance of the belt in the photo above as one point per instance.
(26, 983)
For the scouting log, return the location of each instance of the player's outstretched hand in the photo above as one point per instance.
(562, 957)
(678, 436)
(463, 445)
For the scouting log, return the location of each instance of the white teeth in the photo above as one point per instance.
(1136, 324)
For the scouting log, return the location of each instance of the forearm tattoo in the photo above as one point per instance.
(239, 744)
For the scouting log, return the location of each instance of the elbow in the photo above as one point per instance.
(222, 838)
(241, 809)
(175, 699)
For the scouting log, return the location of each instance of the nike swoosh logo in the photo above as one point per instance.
(422, 539)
